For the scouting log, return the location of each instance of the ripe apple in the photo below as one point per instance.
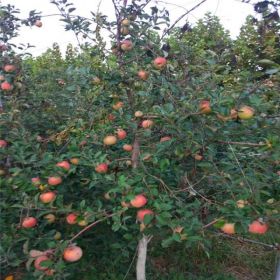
(228, 228)
(6, 86)
(2, 78)
(147, 123)
(71, 218)
(138, 114)
(118, 106)
(3, 144)
(121, 134)
(205, 107)
(64, 164)
(127, 147)
(29, 222)
(126, 45)
(142, 213)
(38, 261)
(35, 181)
(139, 201)
(165, 138)
(258, 227)
(47, 197)
(38, 23)
(50, 218)
(101, 168)
(160, 63)
(143, 75)
(72, 254)
(110, 140)
(54, 181)
(74, 161)
(245, 113)
(124, 30)
(126, 22)
(9, 68)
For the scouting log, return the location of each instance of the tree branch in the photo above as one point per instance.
(181, 17)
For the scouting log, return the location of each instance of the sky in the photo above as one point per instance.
(232, 14)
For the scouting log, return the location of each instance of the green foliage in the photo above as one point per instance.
(66, 106)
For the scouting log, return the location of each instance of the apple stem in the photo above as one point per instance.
(142, 256)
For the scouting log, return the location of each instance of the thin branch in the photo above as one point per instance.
(243, 143)
(92, 225)
(241, 169)
(181, 17)
(242, 239)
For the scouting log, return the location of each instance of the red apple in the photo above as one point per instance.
(139, 201)
(29, 222)
(258, 227)
(127, 147)
(38, 261)
(54, 181)
(205, 107)
(3, 144)
(126, 45)
(246, 113)
(147, 123)
(101, 168)
(35, 181)
(143, 75)
(160, 63)
(121, 134)
(47, 197)
(142, 213)
(71, 218)
(9, 68)
(110, 140)
(64, 164)
(38, 23)
(6, 86)
(228, 228)
(72, 254)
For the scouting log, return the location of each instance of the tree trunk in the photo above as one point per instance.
(141, 260)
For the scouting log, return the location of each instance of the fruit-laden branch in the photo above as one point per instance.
(92, 225)
(243, 143)
(242, 239)
(181, 17)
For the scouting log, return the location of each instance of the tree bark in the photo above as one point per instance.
(142, 255)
